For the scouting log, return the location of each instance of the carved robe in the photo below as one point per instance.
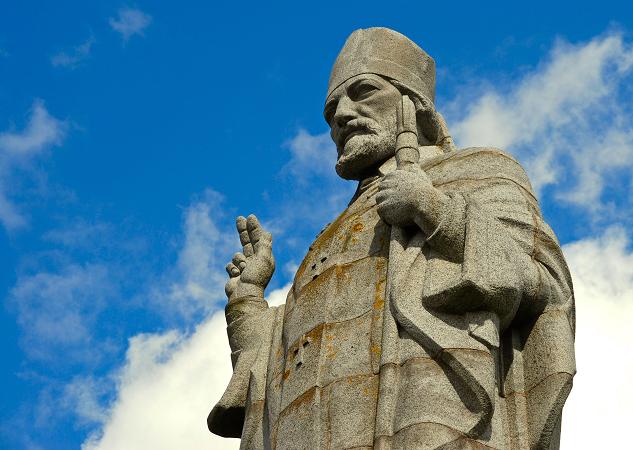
(474, 348)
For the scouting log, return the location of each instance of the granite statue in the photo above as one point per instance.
(436, 312)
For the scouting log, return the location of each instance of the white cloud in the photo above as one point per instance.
(58, 311)
(82, 396)
(82, 234)
(167, 387)
(130, 21)
(310, 155)
(74, 57)
(569, 120)
(10, 217)
(278, 296)
(199, 279)
(311, 179)
(17, 149)
(598, 412)
(41, 131)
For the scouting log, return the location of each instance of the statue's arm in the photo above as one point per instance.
(509, 259)
(249, 273)
(491, 249)
(250, 323)
(492, 253)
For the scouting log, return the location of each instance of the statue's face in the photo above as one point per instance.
(362, 117)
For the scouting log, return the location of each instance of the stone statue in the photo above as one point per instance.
(436, 312)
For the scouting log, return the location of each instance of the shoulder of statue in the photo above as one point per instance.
(476, 164)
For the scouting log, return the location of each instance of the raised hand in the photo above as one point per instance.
(250, 270)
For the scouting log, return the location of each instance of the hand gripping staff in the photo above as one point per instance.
(408, 311)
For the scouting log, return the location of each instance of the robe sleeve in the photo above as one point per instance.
(492, 252)
(250, 323)
(491, 249)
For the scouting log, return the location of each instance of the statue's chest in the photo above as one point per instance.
(332, 324)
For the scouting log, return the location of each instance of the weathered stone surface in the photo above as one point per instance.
(436, 312)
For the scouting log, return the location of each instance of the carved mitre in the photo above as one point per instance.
(385, 52)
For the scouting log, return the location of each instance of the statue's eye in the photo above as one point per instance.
(362, 90)
(329, 111)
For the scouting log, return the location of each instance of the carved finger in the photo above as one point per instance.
(265, 242)
(254, 228)
(240, 223)
(232, 270)
(260, 238)
(245, 239)
(239, 260)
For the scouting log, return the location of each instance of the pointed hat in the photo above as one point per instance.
(385, 52)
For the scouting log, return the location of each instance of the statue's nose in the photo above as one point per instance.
(344, 112)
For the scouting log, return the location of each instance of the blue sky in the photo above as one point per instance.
(132, 134)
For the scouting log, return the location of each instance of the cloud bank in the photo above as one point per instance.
(167, 387)
(598, 411)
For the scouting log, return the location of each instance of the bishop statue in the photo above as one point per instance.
(436, 311)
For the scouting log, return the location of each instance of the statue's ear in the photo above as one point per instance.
(428, 124)
(444, 139)
(432, 125)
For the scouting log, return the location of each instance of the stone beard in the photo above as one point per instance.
(462, 340)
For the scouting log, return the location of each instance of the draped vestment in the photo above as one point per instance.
(474, 349)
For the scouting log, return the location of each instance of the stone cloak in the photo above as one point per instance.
(492, 253)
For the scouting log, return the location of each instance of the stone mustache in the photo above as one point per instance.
(436, 312)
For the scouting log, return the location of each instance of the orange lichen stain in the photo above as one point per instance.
(358, 227)
(330, 351)
(341, 272)
(314, 333)
(371, 390)
(304, 398)
(381, 263)
(379, 299)
(356, 379)
(375, 349)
